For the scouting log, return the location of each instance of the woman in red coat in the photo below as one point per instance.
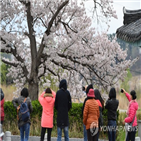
(1, 106)
(47, 100)
(131, 114)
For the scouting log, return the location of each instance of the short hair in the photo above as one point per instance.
(133, 93)
(24, 92)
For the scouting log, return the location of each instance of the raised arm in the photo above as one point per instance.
(127, 95)
(41, 98)
(54, 94)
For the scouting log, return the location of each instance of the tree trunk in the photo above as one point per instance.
(33, 90)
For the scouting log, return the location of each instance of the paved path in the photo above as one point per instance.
(122, 111)
(35, 138)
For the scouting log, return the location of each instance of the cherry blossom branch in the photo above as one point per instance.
(42, 45)
(18, 57)
(9, 63)
(69, 68)
(49, 28)
(3, 41)
(55, 15)
(83, 64)
(65, 24)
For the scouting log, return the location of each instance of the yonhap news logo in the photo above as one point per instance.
(94, 128)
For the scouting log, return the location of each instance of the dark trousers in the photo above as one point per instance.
(90, 136)
(98, 135)
(112, 130)
(131, 136)
(1, 122)
(43, 131)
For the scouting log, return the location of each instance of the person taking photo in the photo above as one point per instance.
(131, 114)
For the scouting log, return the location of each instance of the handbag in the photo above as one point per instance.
(129, 127)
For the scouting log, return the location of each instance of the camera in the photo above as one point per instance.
(121, 90)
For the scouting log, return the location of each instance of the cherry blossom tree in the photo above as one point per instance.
(56, 37)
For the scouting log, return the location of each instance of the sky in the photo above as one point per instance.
(118, 7)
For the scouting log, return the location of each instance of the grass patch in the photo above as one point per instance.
(8, 92)
(120, 135)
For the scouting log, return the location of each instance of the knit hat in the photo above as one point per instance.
(91, 93)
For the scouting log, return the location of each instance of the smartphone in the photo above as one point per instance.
(121, 90)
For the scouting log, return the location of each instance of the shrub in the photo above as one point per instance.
(75, 119)
(75, 114)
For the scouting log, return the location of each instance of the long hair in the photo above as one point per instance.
(98, 96)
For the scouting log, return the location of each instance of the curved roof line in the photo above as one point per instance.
(126, 11)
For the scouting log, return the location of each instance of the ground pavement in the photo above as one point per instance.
(35, 138)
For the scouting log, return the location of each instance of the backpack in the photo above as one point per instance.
(24, 111)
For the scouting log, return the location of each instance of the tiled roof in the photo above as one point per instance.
(131, 30)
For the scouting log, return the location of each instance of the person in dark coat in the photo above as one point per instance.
(24, 126)
(1, 106)
(112, 105)
(63, 104)
(100, 102)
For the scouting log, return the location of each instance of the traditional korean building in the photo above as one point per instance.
(131, 30)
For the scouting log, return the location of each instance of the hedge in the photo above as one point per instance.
(75, 114)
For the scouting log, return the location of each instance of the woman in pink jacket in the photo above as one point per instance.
(47, 99)
(131, 114)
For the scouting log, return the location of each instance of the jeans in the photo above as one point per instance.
(85, 133)
(48, 134)
(112, 130)
(24, 131)
(66, 133)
